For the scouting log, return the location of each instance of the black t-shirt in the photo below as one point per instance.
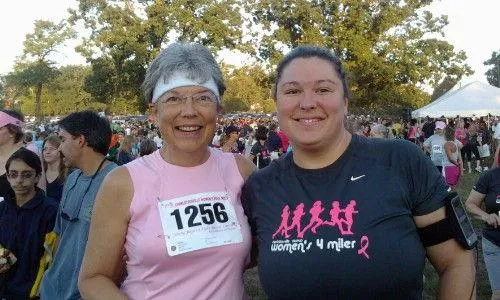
(273, 141)
(485, 136)
(261, 153)
(345, 231)
(54, 189)
(471, 139)
(489, 185)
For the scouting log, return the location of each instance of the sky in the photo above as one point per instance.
(471, 29)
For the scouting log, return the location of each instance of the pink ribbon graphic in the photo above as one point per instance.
(364, 245)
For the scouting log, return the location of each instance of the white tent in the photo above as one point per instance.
(474, 99)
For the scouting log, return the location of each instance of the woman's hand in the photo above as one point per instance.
(492, 220)
(4, 260)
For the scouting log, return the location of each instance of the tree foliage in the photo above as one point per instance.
(444, 86)
(247, 89)
(34, 68)
(389, 47)
(493, 74)
(64, 94)
(126, 35)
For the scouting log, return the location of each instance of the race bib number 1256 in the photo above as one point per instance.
(199, 221)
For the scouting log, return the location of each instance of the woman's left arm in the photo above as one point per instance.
(454, 264)
(245, 166)
(103, 263)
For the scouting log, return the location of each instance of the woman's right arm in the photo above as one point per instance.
(473, 204)
(103, 263)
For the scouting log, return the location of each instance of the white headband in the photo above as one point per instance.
(180, 79)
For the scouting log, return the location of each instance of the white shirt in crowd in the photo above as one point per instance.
(216, 140)
(158, 141)
(496, 131)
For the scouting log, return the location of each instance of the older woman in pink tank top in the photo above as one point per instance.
(174, 218)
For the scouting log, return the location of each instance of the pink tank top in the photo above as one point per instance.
(154, 270)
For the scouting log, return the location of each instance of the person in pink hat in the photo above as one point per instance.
(11, 135)
(434, 145)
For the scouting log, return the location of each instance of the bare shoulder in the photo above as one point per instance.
(117, 186)
(245, 165)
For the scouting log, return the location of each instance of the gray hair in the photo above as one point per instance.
(193, 59)
(380, 131)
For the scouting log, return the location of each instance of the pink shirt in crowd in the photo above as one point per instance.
(209, 273)
(460, 135)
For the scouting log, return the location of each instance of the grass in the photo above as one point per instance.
(255, 291)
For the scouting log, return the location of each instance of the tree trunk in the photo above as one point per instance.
(38, 96)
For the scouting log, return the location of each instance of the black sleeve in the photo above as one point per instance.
(483, 183)
(486, 137)
(426, 185)
(247, 201)
(48, 221)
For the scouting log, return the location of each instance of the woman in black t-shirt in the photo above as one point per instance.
(487, 190)
(471, 148)
(260, 154)
(338, 217)
(55, 170)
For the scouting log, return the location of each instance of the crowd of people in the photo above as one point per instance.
(181, 204)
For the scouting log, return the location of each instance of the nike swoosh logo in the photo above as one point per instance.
(356, 178)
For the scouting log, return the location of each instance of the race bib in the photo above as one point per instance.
(199, 221)
(437, 149)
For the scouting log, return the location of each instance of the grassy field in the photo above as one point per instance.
(483, 287)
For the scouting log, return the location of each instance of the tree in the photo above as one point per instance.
(493, 74)
(248, 89)
(389, 47)
(444, 86)
(2, 92)
(64, 93)
(34, 69)
(9, 92)
(126, 35)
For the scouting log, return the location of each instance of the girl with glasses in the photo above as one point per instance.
(24, 222)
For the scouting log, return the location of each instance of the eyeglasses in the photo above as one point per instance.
(201, 99)
(23, 175)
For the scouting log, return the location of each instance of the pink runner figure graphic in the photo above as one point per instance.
(298, 213)
(334, 216)
(283, 228)
(315, 221)
(348, 213)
